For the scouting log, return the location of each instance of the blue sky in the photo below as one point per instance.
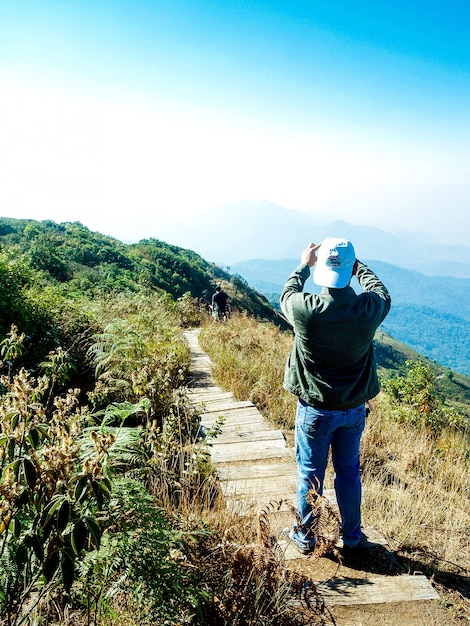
(128, 116)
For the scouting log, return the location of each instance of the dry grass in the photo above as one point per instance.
(417, 488)
(416, 485)
(249, 359)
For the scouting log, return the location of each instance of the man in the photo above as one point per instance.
(220, 303)
(332, 371)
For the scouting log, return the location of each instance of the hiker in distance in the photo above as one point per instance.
(220, 304)
(332, 371)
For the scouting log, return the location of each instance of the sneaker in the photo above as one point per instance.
(298, 539)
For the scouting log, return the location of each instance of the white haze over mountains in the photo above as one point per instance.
(240, 231)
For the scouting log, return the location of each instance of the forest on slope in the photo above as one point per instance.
(44, 262)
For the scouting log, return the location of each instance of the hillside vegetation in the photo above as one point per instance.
(76, 262)
(109, 507)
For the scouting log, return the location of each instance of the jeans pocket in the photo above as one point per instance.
(314, 424)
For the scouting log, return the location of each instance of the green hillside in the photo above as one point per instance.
(72, 261)
(392, 356)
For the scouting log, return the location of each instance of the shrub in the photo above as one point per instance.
(414, 400)
(142, 565)
(49, 499)
(138, 354)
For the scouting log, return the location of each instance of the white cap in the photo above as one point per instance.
(335, 263)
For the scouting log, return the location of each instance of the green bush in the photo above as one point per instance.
(414, 400)
(142, 564)
(138, 354)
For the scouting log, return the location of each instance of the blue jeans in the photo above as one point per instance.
(316, 431)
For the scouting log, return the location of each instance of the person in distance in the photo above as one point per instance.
(332, 371)
(220, 304)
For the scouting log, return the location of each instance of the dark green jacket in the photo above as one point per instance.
(332, 363)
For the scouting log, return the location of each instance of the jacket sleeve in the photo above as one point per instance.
(371, 284)
(295, 284)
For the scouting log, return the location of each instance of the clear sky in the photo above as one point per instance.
(123, 115)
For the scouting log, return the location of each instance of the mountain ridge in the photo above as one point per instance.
(243, 230)
(72, 260)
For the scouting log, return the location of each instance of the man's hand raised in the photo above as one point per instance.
(309, 254)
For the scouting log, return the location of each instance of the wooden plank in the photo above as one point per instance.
(259, 487)
(210, 394)
(257, 470)
(235, 427)
(247, 436)
(210, 386)
(243, 417)
(243, 420)
(215, 395)
(201, 369)
(354, 591)
(201, 358)
(226, 406)
(238, 422)
(243, 414)
(232, 453)
(259, 500)
(259, 446)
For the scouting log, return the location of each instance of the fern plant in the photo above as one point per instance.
(135, 361)
(141, 563)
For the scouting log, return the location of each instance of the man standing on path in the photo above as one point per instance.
(220, 304)
(332, 371)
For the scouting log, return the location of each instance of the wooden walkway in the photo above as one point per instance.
(256, 466)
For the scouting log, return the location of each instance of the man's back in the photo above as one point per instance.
(332, 371)
(220, 299)
(332, 362)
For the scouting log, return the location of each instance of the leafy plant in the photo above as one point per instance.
(142, 564)
(415, 400)
(139, 355)
(189, 312)
(11, 348)
(49, 499)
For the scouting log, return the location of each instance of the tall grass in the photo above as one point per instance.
(417, 488)
(249, 359)
(416, 482)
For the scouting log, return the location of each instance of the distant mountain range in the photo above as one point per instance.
(238, 231)
(430, 314)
